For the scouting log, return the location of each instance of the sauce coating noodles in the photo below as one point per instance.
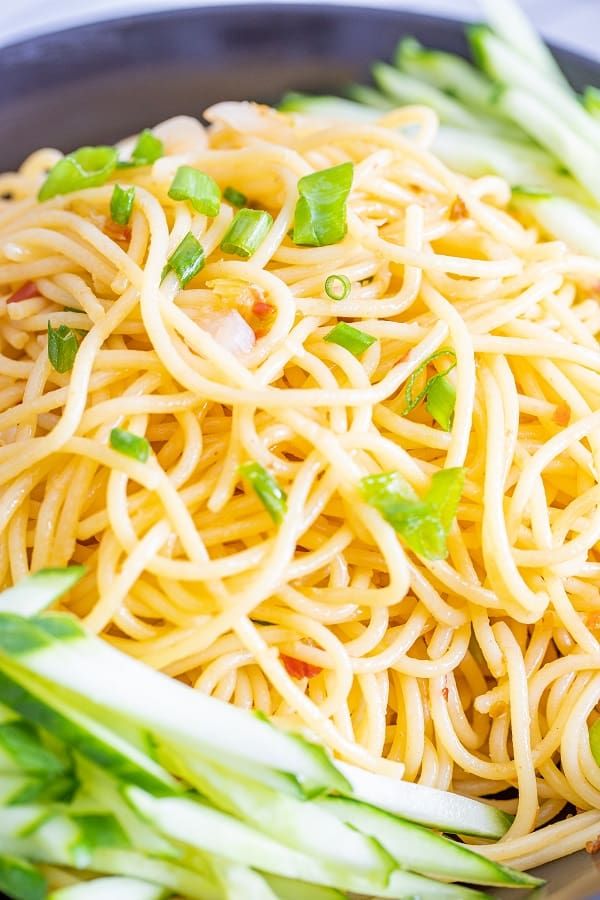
(476, 673)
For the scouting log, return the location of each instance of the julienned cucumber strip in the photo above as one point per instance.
(482, 154)
(563, 219)
(21, 881)
(37, 592)
(240, 881)
(427, 806)
(508, 20)
(403, 89)
(328, 107)
(111, 889)
(53, 840)
(445, 71)
(200, 826)
(36, 700)
(509, 68)
(421, 850)
(302, 826)
(187, 718)
(285, 889)
(545, 126)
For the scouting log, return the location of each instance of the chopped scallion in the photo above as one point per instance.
(84, 168)
(235, 197)
(350, 338)
(423, 523)
(439, 392)
(271, 495)
(337, 287)
(595, 740)
(247, 232)
(187, 260)
(200, 189)
(147, 150)
(121, 204)
(62, 347)
(130, 444)
(320, 216)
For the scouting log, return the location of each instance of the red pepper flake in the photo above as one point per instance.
(458, 210)
(445, 693)
(119, 233)
(562, 415)
(593, 846)
(25, 292)
(297, 668)
(262, 309)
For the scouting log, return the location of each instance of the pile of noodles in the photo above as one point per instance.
(479, 673)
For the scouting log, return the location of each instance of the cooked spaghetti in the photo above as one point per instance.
(202, 450)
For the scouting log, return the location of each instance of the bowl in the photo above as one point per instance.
(99, 82)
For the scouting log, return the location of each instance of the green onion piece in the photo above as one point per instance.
(187, 260)
(130, 444)
(266, 489)
(62, 347)
(595, 740)
(247, 232)
(441, 400)
(84, 168)
(320, 216)
(147, 150)
(200, 189)
(423, 523)
(438, 391)
(337, 287)
(350, 338)
(121, 204)
(235, 197)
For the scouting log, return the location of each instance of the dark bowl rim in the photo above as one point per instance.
(362, 10)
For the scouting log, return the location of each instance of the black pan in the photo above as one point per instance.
(99, 82)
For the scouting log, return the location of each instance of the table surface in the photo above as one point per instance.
(574, 23)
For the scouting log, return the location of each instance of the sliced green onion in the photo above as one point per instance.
(423, 523)
(200, 189)
(121, 204)
(337, 287)
(130, 444)
(441, 400)
(62, 347)
(235, 197)
(320, 216)
(247, 232)
(84, 168)
(148, 149)
(350, 338)
(266, 489)
(595, 740)
(439, 392)
(187, 260)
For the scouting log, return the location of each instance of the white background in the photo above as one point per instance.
(574, 23)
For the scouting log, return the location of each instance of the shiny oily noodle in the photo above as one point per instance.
(474, 673)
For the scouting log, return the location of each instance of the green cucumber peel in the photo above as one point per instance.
(19, 880)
